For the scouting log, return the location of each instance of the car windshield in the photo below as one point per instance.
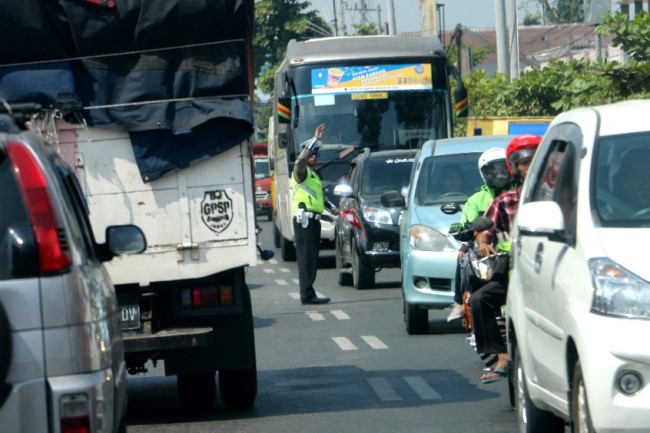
(622, 190)
(386, 174)
(446, 178)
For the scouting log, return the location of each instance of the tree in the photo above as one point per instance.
(276, 23)
(632, 35)
(562, 11)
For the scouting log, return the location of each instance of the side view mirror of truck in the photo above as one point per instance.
(122, 240)
(284, 109)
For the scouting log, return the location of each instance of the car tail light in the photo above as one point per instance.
(75, 414)
(352, 217)
(52, 248)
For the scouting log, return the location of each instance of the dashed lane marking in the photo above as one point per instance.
(340, 314)
(285, 270)
(344, 343)
(273, 261)
(315, 315)
(374, 342)
(281, 283)
(269, 271)
(295, 280)
(294, 295)
(422, 388)
(383, 389)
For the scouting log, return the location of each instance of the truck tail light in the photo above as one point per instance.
(75, 414)
(52, 246)
(206, 297)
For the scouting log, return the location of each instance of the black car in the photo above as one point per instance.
(367, 233)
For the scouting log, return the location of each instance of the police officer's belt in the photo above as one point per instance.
(311, 215)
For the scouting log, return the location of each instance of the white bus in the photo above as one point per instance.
(380, 92)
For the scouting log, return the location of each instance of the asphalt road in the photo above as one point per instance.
(347, 366)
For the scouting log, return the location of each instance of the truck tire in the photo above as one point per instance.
(276, 236)
(6, 347)
(287, 250)
(197, 391)
(238, 388)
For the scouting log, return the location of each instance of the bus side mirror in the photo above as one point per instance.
(460, 101)
(284, 110)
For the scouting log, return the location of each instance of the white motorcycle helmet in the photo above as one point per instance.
(493, 169)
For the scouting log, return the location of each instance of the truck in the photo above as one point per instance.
(263, 202)
(155, 116)
(377, 92)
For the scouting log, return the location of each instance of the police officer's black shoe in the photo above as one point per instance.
(316, 300)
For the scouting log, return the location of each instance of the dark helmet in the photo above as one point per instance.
(522, 146)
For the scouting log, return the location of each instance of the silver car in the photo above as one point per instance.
(62, 363)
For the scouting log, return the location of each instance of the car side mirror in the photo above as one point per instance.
(122, 240)
(392, 199)
(541, 218)
(343, 190)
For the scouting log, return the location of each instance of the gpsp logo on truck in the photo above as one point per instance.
(216, 210)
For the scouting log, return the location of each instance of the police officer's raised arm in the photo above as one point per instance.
(307, 148)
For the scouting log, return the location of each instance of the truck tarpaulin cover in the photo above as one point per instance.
(152, 67)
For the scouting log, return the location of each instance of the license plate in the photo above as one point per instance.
(130, 317)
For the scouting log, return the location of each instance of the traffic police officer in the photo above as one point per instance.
(308, 204)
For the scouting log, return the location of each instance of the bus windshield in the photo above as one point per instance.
(383, 107)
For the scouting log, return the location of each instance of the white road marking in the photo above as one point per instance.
(344, 343)
(294, 295)
(374, 342)
(339, 314)
(315, 315)
(281, 283)
(422, 388)
(382, 388)
(269, 271)
(273, 261)
(285, 270)
(295, 280)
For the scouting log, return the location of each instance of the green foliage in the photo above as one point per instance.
(276, 23)
(632, 35)
(562, 11)
(365, 29)
(532, 19)
(561, 86)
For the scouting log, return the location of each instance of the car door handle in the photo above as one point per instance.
(539, 255)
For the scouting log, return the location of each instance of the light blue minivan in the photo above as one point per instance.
(445, 174)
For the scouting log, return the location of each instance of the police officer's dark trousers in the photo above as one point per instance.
(307, 240)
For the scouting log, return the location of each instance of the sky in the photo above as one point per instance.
(469, 13)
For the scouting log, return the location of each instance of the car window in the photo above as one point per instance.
(13, 213)
(386, 174)
(448, 178)
(621, 188)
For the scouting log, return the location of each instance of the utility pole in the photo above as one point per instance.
(344, 30)
(336, 29)
(500, 27)
(513, 39)
(392, 30)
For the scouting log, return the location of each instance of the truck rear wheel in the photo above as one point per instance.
(197, 391)
(238, 388)
(287, 250)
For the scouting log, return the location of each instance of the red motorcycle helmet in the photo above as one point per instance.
(520, 147)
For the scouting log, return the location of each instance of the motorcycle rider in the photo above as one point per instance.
(492, 168)
(486, 302)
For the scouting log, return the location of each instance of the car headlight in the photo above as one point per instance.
(425, 238)
(617, 291)
(377, 215)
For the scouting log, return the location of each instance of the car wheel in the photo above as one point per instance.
(276, 236)
(287, 250)
(197, 391)
(363, 276)
(5, 345)
(417, 319)
(344, 277)
(580, 404)
(530, 419)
